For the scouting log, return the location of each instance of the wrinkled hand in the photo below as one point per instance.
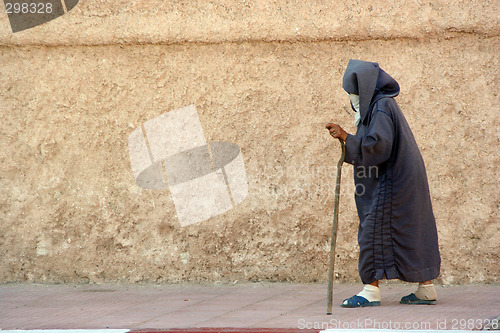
(336, 131)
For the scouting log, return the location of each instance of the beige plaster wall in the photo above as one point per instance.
(263, 75)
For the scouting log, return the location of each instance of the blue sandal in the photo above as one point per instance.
(412, 299)
(358, 301)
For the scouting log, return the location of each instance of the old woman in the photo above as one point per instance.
(397, 233)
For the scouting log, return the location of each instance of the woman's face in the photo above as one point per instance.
(354, 101)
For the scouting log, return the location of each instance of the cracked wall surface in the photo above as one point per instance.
(265, 76)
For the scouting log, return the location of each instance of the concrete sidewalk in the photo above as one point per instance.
(260, 305)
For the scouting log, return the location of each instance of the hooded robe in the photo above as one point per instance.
(397, 232)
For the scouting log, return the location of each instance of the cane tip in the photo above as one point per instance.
(328, 313)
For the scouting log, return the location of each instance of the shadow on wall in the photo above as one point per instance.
(27, 14)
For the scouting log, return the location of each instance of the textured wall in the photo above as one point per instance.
(72, 90)
(107, 22)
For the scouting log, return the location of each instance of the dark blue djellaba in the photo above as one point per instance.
(397, 231)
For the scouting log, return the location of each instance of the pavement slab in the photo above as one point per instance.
(257, 306)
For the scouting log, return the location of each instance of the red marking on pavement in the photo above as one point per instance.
(227, 330)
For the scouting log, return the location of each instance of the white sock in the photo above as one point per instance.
(426, 292)
(371, 293)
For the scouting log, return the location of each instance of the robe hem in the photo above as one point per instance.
(392, 274)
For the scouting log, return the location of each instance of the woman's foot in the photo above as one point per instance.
(369, 296)
(425, 294)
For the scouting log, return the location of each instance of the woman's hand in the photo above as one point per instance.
(336, 131)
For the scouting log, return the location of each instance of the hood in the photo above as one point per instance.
(370, 82)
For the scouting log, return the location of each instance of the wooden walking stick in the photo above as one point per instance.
(331, 276)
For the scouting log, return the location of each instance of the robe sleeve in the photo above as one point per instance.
(375, 146)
